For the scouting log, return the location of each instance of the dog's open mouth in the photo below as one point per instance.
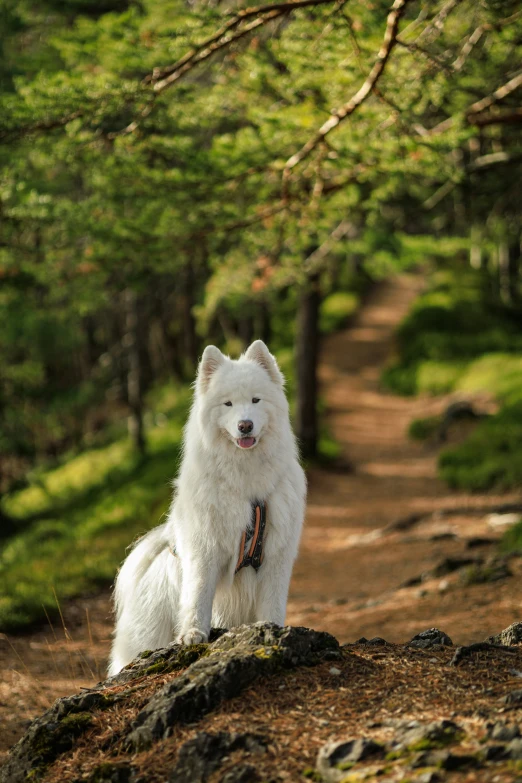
(246, 443)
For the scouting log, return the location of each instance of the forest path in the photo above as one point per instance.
(349, 570)
(348, 573)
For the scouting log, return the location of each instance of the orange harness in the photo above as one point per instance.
(251, 555)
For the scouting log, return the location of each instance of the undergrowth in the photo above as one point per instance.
(75, 522)
(459, 338)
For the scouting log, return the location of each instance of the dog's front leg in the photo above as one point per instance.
(199, 580)
(273, 591)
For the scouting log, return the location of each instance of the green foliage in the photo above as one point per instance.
(336, 309)
(423, 429)
(511, 541)
(490, 457)
(454, 322)
(110, 187)
(83, 516)
(458, 338)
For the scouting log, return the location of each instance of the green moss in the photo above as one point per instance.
(51, 740)
(145, 654)
(345, 765)
(393, 755)
(478, 574)
(441, 740)
(185, 657)
(312, 774)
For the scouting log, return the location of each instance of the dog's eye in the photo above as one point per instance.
(255, 399)
(228, 403)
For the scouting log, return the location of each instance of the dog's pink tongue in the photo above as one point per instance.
(245, 443)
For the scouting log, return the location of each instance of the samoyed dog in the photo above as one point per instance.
(225, 554)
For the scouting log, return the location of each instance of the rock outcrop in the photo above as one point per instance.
(264, 703)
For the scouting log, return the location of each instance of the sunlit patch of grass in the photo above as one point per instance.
(511, 541)
(336, 309)
(490, 457)
(77, 521)
(498, 373)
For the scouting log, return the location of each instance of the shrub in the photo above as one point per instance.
(336, 309)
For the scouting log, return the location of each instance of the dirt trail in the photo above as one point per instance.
(348, 573)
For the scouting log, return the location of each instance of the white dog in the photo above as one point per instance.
(225, 555)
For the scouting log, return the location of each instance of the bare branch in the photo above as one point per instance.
(44, 125)
(313, 263)
(413, 47)
(480, 106)
(493, 159)
(435, 28)
(472, 41)
(440, 194)
(163, 77)
(390, 35)
(235, 29)
(508, 117)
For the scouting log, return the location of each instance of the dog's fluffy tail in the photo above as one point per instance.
(145, 551)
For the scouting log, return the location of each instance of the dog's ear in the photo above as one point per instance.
(259, 353)
(210, 361)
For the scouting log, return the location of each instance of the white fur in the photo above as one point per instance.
(161, 597)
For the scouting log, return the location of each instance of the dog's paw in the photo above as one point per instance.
(193, 636)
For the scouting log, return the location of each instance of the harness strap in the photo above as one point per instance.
(254, 556)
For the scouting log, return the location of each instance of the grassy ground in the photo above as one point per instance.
(75, 522)
(459, 337)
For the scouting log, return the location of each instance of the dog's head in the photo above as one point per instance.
(243, 400)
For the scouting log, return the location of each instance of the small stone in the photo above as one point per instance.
(497, 521)
(430, 758)
(361, 640)
(430, 776)
(514, 749)
(443, 759)
(427, 736)
(377, 641)
(493, 753)
(509, 636)
(335, 758)
(246, 773)
(443, 586)
(335, 671)
(430, 638)
(502, 732)
(513, 698)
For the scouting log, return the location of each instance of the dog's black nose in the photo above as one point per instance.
(245, 426)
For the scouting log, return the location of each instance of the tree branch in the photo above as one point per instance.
(508, 117)
(235, 29)
(390, 35)
(480, 106)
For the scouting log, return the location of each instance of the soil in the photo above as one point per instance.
(352, 562)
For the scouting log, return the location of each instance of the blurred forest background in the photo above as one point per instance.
(181, 173)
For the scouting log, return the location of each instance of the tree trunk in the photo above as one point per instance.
(307, 359)
(190, 338)
(503, 272)
(134, 371)
(514, 272)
